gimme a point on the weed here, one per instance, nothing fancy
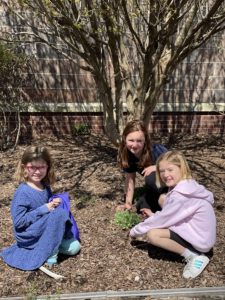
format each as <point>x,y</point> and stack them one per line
<point>126,219</point>
<point>80,129</point>
<point>31,292</point>
<point>84,200</point>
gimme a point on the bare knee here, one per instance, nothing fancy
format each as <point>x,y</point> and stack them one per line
<point>152,236</point>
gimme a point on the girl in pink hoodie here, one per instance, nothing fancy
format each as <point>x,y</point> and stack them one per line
<point>186,225</point>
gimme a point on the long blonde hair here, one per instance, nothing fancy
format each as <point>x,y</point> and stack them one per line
<point>34,153</point>
<point>176,158</point>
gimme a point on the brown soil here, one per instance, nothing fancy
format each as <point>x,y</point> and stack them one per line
<point>86,168</point>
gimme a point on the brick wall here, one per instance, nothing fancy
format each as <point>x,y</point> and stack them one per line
<point>193,123</point>
<point>61,124</point>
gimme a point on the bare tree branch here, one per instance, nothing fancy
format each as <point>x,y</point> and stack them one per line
<point>130,47</point>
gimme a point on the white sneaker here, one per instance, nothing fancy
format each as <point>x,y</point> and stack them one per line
<point>195,265</point>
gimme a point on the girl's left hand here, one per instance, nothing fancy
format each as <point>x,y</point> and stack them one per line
<point>147,171</point>
<point>123,207</point>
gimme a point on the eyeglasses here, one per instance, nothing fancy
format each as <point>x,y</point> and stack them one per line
<point>32,168</point>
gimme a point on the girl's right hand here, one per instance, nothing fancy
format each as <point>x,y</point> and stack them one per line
<point>54,203</point>
<point>123,207</point>
<point>146,212</point>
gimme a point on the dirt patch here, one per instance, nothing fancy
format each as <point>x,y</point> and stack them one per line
<point>87,169</point>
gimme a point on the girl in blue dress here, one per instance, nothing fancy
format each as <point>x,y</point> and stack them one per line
<point>42,226</point>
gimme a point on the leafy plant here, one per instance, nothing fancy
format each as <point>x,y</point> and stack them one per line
<point>84,200</point>
<point>80,129</point>
<point>126,219</point>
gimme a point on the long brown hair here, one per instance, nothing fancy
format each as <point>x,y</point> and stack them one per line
<point>33,153</point>
<point>146,157</point>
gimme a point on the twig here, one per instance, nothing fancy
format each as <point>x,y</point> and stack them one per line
<point>50,273</point>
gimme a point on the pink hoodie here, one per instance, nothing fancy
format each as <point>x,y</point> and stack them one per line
<point>188,211</point>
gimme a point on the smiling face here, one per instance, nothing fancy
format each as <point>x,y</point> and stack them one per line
<point>36,171</point>
<point>135,142</point>
<point>170,173</point>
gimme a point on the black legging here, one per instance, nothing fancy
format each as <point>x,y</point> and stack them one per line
<point>151,196</point>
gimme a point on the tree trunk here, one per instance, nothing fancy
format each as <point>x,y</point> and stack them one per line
<point>110,121</point>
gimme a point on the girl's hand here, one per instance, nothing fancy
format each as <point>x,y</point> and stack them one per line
<point>146,212</point>
<point>147,171</point>
<point>125,206</point>
<point>54,203</point>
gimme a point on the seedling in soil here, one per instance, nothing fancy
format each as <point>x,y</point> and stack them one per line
<point>126,219</point>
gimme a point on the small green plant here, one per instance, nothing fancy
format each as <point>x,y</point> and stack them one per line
<point>126,219</point>
<point>31,292</point>
<point>80,129</point>
<point>84,200</point>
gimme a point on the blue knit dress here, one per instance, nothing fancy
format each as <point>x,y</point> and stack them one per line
<point>38,231</point>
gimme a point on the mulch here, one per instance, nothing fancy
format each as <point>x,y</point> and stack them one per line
<point>86,168</point>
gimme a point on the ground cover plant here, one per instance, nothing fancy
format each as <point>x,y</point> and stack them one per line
<point>86,167</point>
<point>126,219</point>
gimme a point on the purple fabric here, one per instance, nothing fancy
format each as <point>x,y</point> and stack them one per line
<point>65,204</point>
